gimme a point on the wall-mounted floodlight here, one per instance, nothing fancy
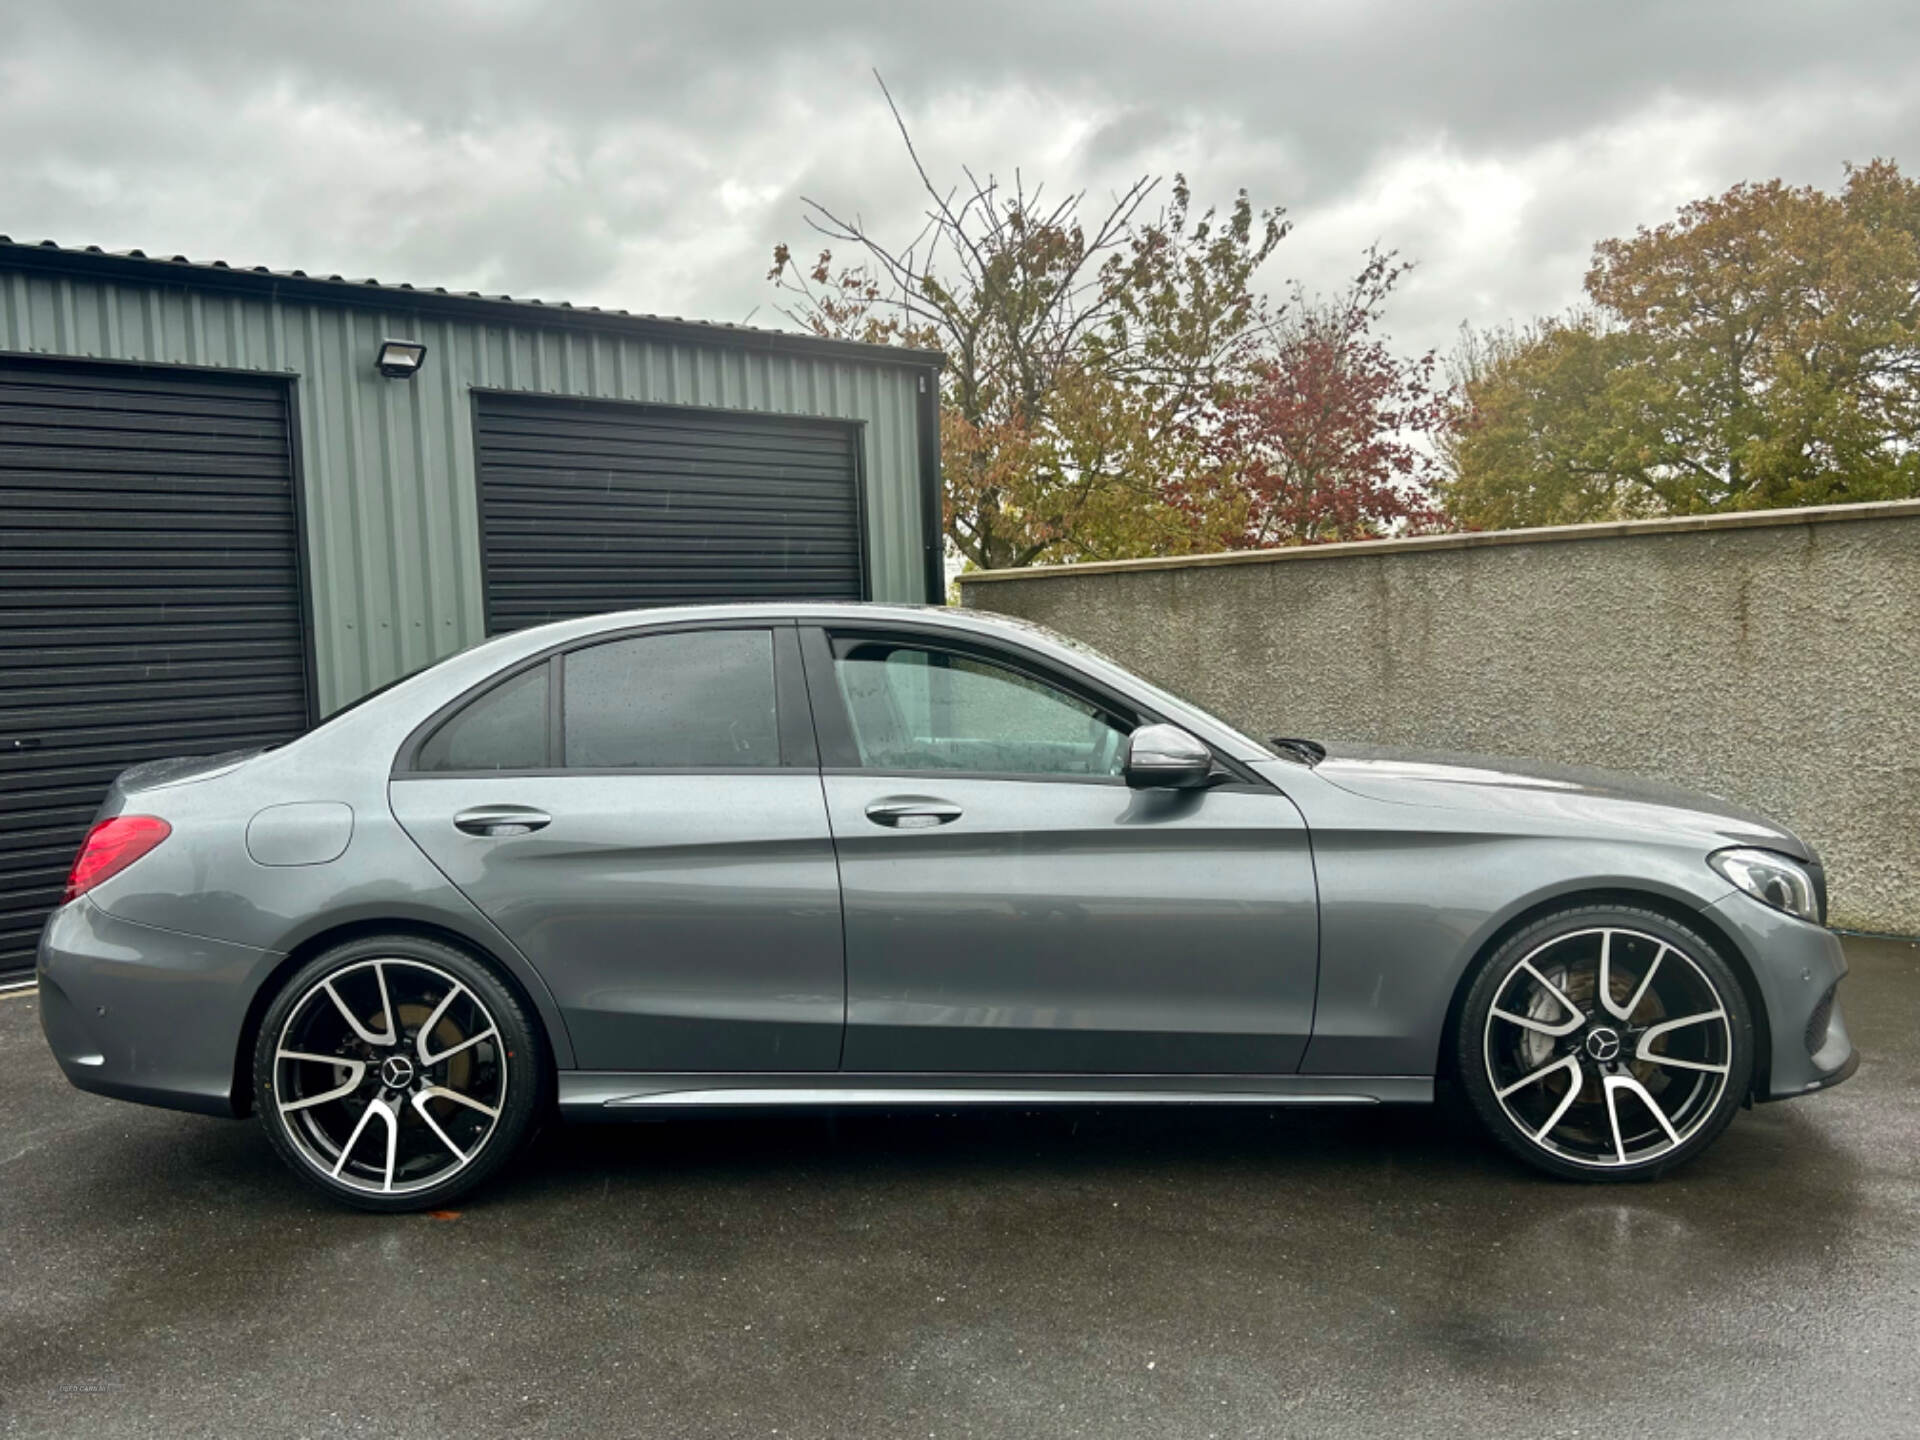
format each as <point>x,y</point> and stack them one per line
<point>401,359</point>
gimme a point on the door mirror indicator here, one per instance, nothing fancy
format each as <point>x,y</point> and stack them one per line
<point>1167,757</point>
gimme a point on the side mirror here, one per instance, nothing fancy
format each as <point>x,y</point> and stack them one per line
<point>1165,756</point>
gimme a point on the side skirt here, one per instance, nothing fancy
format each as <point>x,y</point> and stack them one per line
<point>615,1095</point>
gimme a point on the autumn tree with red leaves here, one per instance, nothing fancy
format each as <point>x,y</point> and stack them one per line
<point>1330,441</point>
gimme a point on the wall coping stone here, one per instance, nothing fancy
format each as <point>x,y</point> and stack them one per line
<point>1470,540</point>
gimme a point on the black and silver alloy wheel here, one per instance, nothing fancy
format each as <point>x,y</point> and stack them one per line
<point>391,1073</point>
<point>1606,1043</point>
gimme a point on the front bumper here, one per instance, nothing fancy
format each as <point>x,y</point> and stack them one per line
<point>1798,967</point>
<point>145,1014</point>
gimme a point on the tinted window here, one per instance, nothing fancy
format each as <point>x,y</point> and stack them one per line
<point>505,729</point>
<point>702,699</point>
<point>920,709</point>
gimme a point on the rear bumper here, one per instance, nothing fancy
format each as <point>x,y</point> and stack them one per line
<point>145,1014</point>
<point>1799,968</point>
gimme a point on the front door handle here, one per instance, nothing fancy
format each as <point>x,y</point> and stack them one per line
<point>912,812</point>
<point>500,820</point>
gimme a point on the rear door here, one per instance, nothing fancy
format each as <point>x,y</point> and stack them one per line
<point>642,816</point>
<point>1012,906</point>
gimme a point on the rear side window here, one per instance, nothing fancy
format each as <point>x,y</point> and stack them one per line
<point>505,729</point>
<point>703,699</point>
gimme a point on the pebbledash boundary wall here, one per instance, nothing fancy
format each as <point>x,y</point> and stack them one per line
<point>1771,657</point>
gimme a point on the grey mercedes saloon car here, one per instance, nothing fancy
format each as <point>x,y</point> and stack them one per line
<point>860,855</point>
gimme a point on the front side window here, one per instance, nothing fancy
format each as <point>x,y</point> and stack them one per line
<point>917,708</point>
<point>701,699</point>
<point>503,729</point>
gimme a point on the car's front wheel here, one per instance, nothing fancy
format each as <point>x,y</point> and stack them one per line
<point>395,1073</point>
<point>1605,1043</point>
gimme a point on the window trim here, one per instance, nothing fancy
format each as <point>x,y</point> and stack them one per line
<point>798,751</point>
<point>840,753</point>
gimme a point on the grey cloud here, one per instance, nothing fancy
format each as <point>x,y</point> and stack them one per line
<point>1126,135</point>
<point>600,152</point>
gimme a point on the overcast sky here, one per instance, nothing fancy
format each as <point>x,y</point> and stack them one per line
<point>649,157</point>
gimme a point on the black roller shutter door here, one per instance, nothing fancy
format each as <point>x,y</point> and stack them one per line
<point>588,506</point>
<point>149,597</point>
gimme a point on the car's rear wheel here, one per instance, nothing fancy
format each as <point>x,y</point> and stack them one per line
<point>1605,1043</point>
<point>395,1073</point>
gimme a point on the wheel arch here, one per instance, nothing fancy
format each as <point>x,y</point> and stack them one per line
<point>322,940</point>
<point>1661,903</point>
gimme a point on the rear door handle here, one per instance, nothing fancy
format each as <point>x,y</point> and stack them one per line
<point>499,820</point>
<point>912,812</point>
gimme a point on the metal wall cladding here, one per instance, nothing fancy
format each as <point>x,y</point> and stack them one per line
<point>393,533</point>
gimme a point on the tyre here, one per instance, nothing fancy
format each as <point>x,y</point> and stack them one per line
<point>396,1073</point>
<point>1605,1043</point>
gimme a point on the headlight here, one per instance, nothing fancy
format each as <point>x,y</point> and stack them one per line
<point>1771,879</point>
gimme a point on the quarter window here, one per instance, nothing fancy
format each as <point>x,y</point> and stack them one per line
<point>504,729</point>
<point>701,699</point>
<point>914,708</point>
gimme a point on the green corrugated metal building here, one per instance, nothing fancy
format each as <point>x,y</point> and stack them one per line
<point>219,520</point>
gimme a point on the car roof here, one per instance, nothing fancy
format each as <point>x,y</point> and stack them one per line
<point>413,698</point>
<point>869,611</point>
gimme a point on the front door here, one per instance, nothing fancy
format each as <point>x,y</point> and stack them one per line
<point>642,817</point>
<point>1011,905</point>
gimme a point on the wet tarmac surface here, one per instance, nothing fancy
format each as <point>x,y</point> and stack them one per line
<point>1068,1274</point>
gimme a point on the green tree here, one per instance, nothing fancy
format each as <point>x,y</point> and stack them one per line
<point>1761,350</point>
<point>1085,353</point>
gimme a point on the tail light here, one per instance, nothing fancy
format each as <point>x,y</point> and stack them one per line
<point>110,847</point>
